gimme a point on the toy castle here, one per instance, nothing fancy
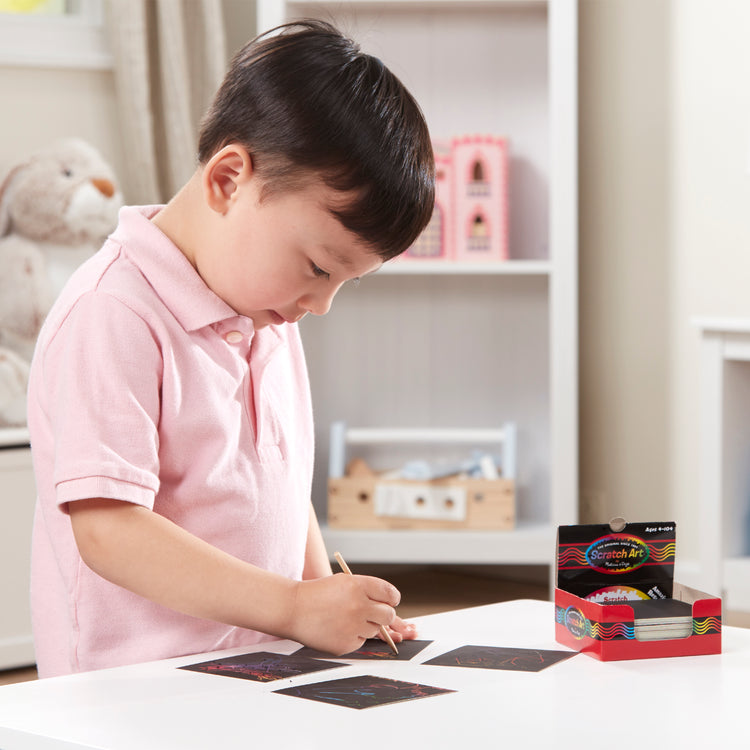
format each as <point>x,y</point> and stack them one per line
<point>470,220</point>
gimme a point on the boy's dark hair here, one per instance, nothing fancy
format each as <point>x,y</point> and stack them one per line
<point>304,99</point>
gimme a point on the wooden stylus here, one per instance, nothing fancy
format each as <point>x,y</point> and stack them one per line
<point>386,636</point>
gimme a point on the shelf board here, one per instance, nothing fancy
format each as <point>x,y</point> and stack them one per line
<point>527,544</point>
<point>446,267</point>
<point>427,4</point>
<point>13,436</point>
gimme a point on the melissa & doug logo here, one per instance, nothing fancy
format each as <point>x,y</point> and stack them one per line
<point>617,553</point>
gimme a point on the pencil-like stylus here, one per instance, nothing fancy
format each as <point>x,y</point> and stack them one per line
<point>386,635</point>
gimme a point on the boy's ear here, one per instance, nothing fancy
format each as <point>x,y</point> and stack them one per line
<point>225,171</point>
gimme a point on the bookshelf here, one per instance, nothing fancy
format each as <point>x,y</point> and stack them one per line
<point>434,344</point>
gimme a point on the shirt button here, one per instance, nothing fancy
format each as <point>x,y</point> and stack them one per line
<point>233,337</point>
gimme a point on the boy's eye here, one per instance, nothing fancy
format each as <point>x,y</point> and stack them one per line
<point>317,271</point>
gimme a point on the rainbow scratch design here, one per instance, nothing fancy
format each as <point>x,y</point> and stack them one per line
<point>706,625</point>
<point>616,631</point>
<point>572,556</point>
<point>662,552</point>
<point>626,631</point>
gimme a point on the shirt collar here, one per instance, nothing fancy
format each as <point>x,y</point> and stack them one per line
<point>169,272</point>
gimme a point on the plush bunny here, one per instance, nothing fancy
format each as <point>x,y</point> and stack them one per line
<point>56,208</point>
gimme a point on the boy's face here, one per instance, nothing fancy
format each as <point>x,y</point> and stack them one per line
<point>277,259</point>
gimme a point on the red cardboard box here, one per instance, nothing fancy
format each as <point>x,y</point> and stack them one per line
<point>631,570</point>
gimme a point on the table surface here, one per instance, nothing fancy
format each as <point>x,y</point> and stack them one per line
<point>686,702</point>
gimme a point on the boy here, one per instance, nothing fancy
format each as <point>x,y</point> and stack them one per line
<point>169,405</point>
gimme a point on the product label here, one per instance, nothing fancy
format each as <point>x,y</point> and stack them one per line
<point>617,553</point>
<point>635,562</point>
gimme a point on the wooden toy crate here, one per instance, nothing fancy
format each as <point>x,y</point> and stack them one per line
<point>489,503</point>
<point>366,500</point>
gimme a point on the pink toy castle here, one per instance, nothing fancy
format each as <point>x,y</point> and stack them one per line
<point>470,220</point>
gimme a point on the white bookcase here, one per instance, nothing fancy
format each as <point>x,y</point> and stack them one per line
<point>446,345</point>
<point>17,498</point>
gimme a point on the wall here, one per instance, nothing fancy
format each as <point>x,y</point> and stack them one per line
<point>665,232</point>
<point>624,134</point>
<point>41,105</point>
<point>710,252</point>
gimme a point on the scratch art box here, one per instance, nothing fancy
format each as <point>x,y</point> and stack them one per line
<point>616,597</point>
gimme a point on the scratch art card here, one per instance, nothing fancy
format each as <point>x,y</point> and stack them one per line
<point>492,657</point>
<point>372,648</point>
<point>363,691</point>
<point>262,666</point>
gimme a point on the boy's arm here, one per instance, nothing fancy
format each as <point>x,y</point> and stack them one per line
<point>317,563</point>
<point>146,553</point>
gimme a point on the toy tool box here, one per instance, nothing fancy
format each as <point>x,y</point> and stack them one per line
<point>473,494</point>
<point>615,596</point>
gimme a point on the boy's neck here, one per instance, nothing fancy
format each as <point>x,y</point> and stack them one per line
<point>183,218</point>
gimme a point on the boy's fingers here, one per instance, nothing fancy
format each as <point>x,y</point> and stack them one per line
<point>381,591</point>
<point>381,614</point>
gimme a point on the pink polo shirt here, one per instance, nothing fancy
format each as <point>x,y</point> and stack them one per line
<point>147,388</point>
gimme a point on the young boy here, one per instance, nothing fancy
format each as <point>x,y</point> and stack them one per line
<point>169,410</point>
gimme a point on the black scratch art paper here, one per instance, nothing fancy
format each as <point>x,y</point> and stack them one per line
<point>372,648</point>
<point>262,666</point>
<point>364,691</point>
<point>493,657</point>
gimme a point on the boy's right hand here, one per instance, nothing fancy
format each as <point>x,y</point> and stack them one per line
<point>338,613</point>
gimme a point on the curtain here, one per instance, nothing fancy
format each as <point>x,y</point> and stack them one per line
<point>170,57</point>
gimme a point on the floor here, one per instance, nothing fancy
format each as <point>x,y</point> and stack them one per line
<point>425,590</point>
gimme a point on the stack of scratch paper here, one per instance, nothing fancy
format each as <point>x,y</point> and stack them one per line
<point>656,619</point>
<point>616,597</point>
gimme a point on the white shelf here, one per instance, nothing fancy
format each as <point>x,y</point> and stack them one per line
<point>448,268</point>
<point>14,436</point>
<point>528,544</point>
<point>272,12</point>
<point>424,4</point>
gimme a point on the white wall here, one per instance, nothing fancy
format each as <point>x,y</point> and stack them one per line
<point>710,186</point>
<point>624,135</point>
<point>665,236</point>
<point>42,104</point>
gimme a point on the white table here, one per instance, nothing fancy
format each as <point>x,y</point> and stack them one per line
<point>685,702</point>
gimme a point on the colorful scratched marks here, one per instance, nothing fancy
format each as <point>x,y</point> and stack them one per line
<point>373,648</point>
<point>494,657</point>
<point>363,691</point>
<point>262,666</point>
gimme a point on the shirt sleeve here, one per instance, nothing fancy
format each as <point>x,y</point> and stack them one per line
<point>102,373</point>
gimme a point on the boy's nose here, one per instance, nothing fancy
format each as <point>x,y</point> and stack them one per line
<point>319,303</point>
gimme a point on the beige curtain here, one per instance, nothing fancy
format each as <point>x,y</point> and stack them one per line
<point>170,56</point>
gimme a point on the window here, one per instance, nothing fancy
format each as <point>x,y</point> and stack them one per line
<point>54,34</point>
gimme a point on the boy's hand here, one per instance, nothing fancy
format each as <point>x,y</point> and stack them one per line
<point>338,613</point>
<point>402,631</point>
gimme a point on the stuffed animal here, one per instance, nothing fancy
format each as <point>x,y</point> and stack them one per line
<point>56,208</point>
